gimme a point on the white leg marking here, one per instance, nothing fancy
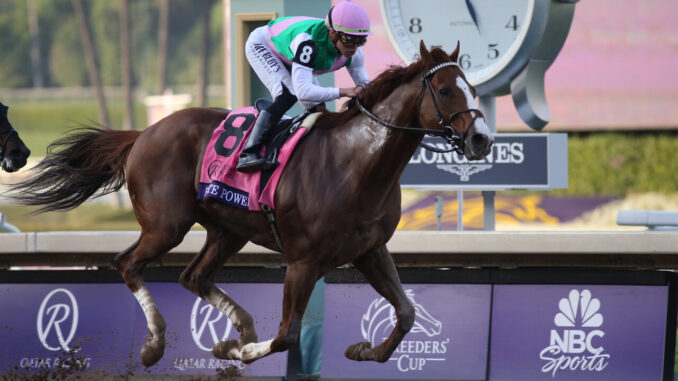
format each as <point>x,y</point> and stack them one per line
<point>223,303</point>
<point>254,351</point>
<point>148,306</point>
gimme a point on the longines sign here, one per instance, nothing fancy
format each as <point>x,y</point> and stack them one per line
<point>535,161</point>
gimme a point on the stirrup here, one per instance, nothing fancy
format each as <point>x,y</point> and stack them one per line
<point>251,162</point>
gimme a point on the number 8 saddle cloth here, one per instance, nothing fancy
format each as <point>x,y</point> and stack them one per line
<point>220,180</point>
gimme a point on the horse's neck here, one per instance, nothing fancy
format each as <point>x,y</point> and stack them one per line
<point>389,150</point>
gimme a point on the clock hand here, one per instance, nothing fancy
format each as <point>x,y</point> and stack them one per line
<point>472,12</point>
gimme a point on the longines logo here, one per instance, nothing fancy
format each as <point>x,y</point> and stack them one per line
<point>412,355</point>
<point>57,321</point>
<point>451,162</point>
<point>576,344</point>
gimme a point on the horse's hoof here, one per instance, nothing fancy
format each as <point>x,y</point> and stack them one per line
<point>360,352</point>
<point>227,350</point>
<point>152,352</point>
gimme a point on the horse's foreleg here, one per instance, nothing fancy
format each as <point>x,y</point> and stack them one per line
<point>131,263</point>
<point>380,271</point>
<point>299,282</point>
<point>199,279</point>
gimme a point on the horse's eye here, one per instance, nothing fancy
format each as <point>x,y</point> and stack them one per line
<point>445,92</point>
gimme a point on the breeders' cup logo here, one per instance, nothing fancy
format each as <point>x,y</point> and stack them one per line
<point>57,320</point>
<point>502,153</point>
<point>577,342</point>
<point>208,325</point>
<point>411,355</point>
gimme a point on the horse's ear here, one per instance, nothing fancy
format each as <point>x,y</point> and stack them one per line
<point>455,54</point>
<point>425,54</point>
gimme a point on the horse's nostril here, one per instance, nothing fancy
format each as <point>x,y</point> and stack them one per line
<point>479,141</point>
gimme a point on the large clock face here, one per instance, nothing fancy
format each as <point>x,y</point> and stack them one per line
<point>490,31</point>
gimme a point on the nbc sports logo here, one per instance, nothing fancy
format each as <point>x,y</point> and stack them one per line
<point>576,342</point>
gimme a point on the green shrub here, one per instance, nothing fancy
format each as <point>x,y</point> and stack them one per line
<point>619,163</point>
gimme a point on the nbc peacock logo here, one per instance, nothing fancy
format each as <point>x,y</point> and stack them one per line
<point>576,344</point>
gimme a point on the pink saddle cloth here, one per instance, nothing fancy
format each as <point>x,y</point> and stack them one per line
<point>219,178</point>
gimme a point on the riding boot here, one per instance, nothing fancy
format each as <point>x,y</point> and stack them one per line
<point>250,159</point>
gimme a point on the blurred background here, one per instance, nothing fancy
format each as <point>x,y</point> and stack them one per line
<point>125,63</point>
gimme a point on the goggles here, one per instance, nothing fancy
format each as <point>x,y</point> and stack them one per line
<point>351,40</point>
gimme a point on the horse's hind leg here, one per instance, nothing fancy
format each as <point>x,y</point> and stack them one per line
<point>198,278</point>
<point>131,263</point>
<point>380,271</point>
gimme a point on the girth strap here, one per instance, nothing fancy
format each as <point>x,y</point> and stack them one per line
<point>269,214</point>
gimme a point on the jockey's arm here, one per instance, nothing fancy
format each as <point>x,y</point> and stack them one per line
<point>306,88</point>
<point>357,69</point>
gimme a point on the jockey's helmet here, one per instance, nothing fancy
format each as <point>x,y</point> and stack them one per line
<point>350,18</point>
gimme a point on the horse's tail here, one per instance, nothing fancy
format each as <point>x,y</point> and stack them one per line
<point>88,160</point>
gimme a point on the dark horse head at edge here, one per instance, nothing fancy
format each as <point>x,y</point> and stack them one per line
<point>13,151</point>
<point>337,202</point>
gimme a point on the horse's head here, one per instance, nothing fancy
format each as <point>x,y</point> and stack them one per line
<point>447,101</point>
<point>13,151</point>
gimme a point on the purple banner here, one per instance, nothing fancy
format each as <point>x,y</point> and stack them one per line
<point>40,324</point>
<point>448,341</point>
<point>573,332</point>
<point>103,327</point>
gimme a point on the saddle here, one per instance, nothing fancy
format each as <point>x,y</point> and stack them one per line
<point>219,178</point>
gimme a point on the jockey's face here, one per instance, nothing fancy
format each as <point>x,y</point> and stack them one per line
<point>347,45</point>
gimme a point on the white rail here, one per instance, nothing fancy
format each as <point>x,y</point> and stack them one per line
<point>631,249</point>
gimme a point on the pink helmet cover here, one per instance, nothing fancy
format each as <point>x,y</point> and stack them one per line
<point>350,18</point>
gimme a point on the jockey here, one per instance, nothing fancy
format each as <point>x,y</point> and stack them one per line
<point>289,52</point>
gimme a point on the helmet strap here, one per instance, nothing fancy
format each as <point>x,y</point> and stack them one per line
<point>329,18</point>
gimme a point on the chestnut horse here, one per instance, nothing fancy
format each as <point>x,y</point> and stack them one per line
<point>337,202</point>
<point>13,151</point>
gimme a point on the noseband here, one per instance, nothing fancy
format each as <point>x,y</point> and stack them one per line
<point>457,141</point>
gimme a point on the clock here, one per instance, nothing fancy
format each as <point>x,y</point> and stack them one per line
<point>506,45</point>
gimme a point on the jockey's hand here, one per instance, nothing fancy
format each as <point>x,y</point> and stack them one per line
<point>351,92</point>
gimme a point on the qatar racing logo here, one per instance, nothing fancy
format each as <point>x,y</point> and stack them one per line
<point>411,355</point>
<point>57,320</point>
<point>208,325</point>
<point>576,344</point>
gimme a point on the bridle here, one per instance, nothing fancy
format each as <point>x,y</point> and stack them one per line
<point>458,142</point>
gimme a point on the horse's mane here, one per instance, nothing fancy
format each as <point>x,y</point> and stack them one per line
<point>379,88</point>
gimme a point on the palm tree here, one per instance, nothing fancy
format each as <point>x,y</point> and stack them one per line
<point>126,66</point>
<point>203,67</point>
<point>36,59</point>
<point>90,58</point>
<point>163,28</point>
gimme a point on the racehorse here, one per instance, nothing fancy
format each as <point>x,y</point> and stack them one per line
<point>13,151</point>
<point>337,202</point>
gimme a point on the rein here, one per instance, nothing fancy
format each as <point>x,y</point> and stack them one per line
<point>455,140</point>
